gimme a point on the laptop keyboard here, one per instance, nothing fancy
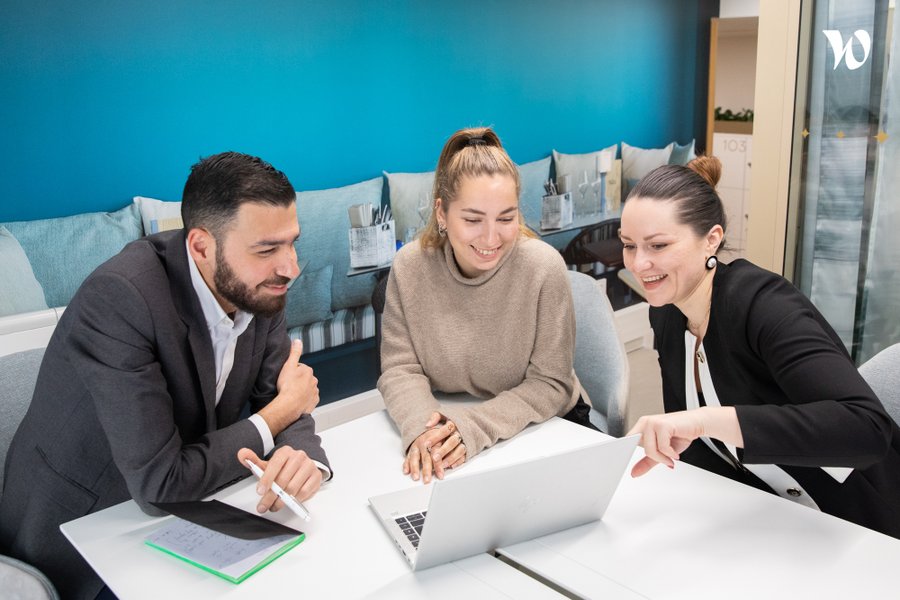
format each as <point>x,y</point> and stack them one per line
<point>412,526</point>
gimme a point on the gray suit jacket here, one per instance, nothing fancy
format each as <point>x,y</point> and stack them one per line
<point>124,407</point>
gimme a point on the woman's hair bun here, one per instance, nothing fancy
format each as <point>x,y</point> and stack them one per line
<point>707,167</point>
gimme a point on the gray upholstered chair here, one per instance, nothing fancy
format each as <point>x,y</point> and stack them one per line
<point>18,374</point>
<point>600,360</point>
<point>882,373</point>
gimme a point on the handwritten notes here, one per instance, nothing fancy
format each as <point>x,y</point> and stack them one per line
<point>231,558</point>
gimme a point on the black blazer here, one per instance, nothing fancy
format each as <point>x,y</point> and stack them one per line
<point>799,399</point>
<point>124,407</point>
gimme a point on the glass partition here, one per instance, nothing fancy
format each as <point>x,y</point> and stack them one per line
<point>848,252</point>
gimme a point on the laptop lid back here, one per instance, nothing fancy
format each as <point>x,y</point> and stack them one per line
<point>518,502</point>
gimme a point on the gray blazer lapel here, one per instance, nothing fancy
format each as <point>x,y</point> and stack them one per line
<point>188,307</point>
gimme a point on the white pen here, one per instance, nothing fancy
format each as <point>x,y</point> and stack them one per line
<point>289,501</point>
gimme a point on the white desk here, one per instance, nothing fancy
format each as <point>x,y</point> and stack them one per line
<point>671,534</point>
<point>347,554</point>
<point>690,534</point>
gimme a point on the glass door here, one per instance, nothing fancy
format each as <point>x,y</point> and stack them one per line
<point>848,250</point>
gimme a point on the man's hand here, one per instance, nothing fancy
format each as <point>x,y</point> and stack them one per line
<point>298,393</point>
<point>439,448</point>
<point>293,470</point>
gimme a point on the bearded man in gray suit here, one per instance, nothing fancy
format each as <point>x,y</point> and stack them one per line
<point>144,383</point>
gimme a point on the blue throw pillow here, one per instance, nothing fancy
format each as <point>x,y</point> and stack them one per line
<point>309,297</point>
<point>532,176</point>
<point>64,251</point>
<point>20,292</point>
<point>682,155</point>
<point>324,240</point>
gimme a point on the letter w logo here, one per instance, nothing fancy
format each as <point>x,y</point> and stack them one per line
<point>845,51</point>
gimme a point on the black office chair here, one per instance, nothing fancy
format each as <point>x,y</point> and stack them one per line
<point>379,296</point>
<point>598,243</point>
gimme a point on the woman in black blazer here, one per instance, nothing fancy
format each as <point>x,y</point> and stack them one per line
<point>757,386</point>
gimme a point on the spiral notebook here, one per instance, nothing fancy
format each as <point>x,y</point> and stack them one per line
<point>223,540</point>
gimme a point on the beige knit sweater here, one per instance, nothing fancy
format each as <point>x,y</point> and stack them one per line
<point>507,336</point>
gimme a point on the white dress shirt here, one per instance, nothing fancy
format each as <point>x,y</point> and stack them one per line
<point>224,332</point>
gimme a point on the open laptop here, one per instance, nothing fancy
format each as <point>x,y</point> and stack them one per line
<point>466,514</point>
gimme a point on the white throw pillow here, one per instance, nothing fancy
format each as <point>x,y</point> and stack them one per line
<point>159,215</point>
<point>576,165</point>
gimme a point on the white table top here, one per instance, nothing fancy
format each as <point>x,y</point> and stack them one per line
<point>347,554</point>
<point>686,533</point>
<point>681,533</point>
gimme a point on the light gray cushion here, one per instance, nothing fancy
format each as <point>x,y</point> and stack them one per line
<point>20,292</point>
<point>532,176</point>
<point>21,581</point>
<point>18,374</point>
<point>309,297</point>
<point>410,192</point>
<point>577,165</point>
<point>324,241</point>
<point>882,373</point>
<point>637,162</point>
<point>682,155</point>
<point>65,250</point>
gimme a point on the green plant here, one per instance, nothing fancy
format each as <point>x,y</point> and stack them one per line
<point>728,115</point>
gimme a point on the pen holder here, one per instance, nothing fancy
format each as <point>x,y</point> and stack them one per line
<point>556,211</point>
<point>372,246</point>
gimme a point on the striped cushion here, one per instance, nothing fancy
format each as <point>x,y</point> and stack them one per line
<point>347,325</point>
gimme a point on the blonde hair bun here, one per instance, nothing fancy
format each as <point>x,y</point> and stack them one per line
<point>707,167</point>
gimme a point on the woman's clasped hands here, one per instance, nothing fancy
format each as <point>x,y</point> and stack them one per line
<point>439,448</point>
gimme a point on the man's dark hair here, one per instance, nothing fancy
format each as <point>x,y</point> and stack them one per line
<point>219,184</point>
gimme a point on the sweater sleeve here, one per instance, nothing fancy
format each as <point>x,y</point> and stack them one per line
<point>548,387</point>
<point>403,384</point>
<point>831,417</point>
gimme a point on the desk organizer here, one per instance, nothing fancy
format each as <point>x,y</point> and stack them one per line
<point>373,245</point>
<point>556,211</point>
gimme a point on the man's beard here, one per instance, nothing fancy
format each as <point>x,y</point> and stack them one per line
<point>239,294</point>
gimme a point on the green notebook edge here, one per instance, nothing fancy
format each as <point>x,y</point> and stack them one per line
<point>287,546</point>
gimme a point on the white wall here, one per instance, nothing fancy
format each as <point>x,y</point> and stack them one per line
<point>736,71</point>
<point>738,8</point>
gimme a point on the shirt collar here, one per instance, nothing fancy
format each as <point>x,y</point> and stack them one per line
<point>213,313</point>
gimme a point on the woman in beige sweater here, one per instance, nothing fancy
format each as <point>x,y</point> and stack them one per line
<point>476,305</point>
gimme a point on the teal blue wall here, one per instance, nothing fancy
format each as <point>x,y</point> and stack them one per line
<point>101,100</point>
